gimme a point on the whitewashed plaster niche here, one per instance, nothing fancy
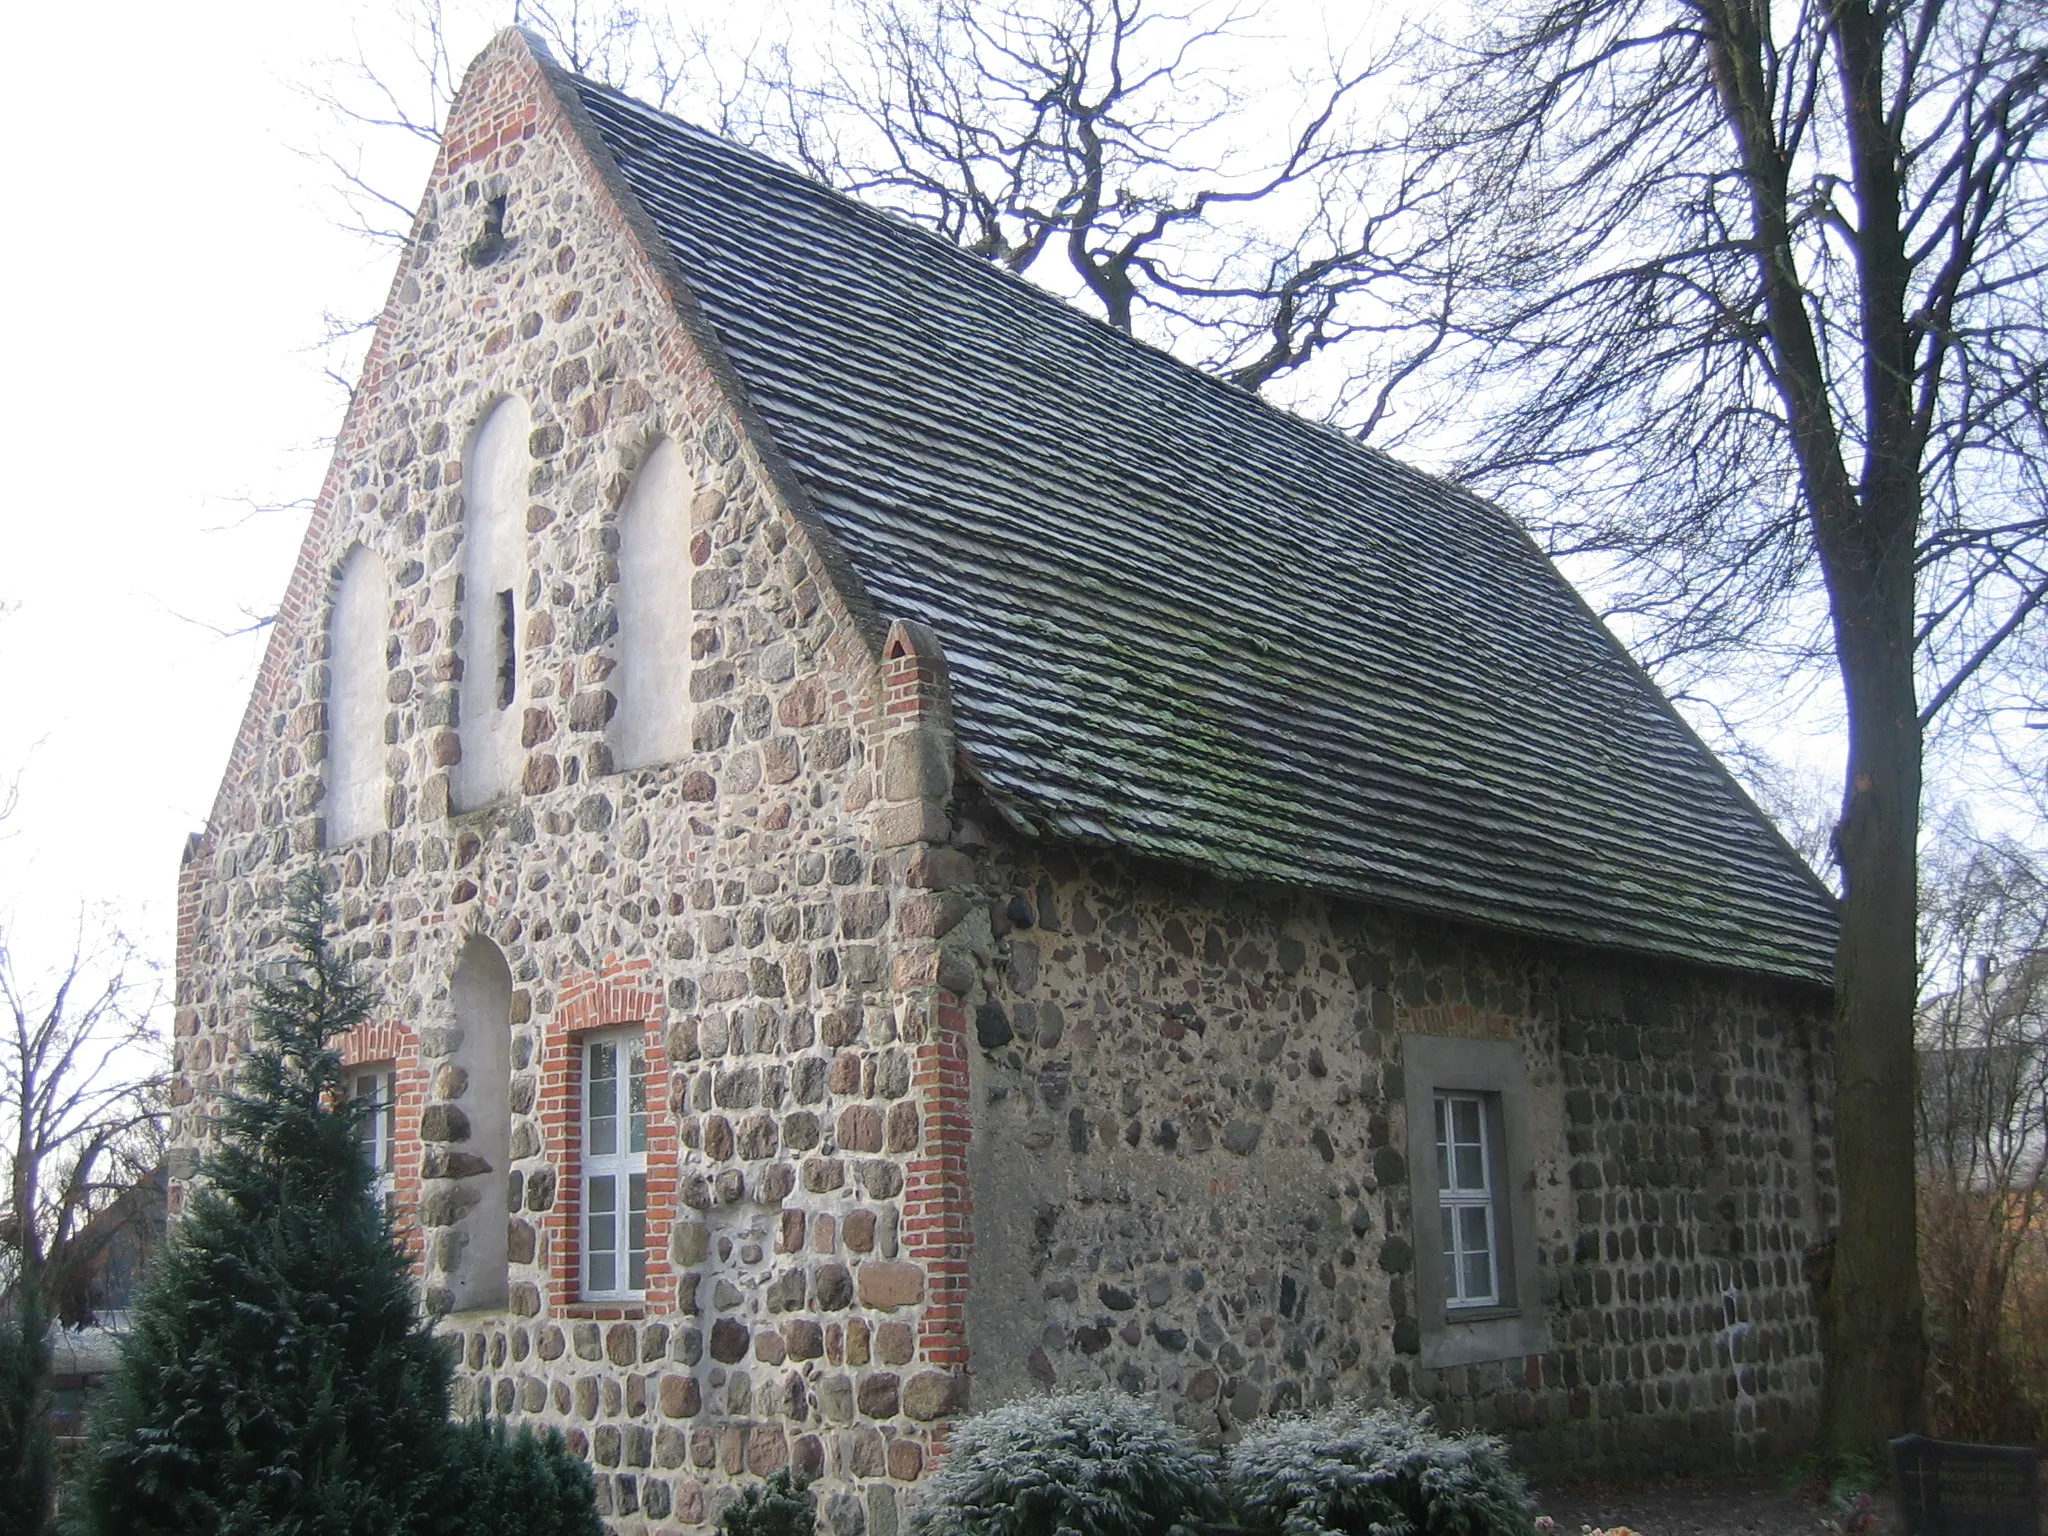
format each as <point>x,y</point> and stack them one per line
<point>495,473</point>
<point>654,614</point>
<point>468,1133</point>
<point>357,637</point>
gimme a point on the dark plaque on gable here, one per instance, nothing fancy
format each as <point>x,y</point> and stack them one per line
<point>1948,1489</point>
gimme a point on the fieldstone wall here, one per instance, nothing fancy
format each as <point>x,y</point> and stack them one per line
<point>757,909</point>
<point>1190,1172</point>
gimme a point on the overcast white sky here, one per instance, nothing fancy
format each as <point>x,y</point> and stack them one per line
<point>169,261</point>
<point>171,253</point>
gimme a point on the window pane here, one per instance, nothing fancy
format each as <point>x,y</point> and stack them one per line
<point>1475,1241</point>
<point>1478,1277</point>
<point>1471,1263</point>
<point>1465,1119</point>
<point>602,1233</point>
<point>603,1091</point>
<point>636,1232</point>
<point>366,1088</point>
<point>379,1091</point>
<point>636,1136</point>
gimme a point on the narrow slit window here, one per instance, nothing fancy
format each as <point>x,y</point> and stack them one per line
<point>491,240</point>
<point>377,1132</point>
<point>614,1166</point>
<point>1464,1158</point>
<point>508,652</point>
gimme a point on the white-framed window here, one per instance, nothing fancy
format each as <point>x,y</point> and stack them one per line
<point>614,1164</point>
<point>377,1132</point>
<point>1465,1192</point>
<point>1473,1166</point>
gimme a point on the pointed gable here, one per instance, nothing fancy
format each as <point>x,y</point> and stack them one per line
<point>1186,624</point>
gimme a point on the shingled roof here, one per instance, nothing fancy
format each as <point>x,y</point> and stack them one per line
<point>1189,625</point>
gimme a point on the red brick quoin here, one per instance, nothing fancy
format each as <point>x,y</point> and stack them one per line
<point>938,1206</point>
<point>618,994</point>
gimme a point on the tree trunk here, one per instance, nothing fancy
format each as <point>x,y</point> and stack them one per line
<point>1877,1360</point>
<point>1872,1308</point>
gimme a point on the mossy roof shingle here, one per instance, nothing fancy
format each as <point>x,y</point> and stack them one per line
<point>1198,628</point>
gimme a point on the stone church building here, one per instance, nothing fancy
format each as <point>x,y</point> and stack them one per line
<point>917,851</point>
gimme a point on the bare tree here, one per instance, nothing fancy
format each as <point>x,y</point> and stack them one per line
<point>1983,1125</point>
<point>1764,287</point>
<point>403,98</point>
<point>1105,148</point>
<point>82,1095</point>
<point>1111,149</point>
<point>1802,801</point>
<point>385,95</point>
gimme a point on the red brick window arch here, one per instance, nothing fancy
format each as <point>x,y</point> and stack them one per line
<point>389,1054</point>
<point>603,1021</point>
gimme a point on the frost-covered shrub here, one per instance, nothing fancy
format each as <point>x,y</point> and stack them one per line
<point>1085,1464</point>
<point>1353,1471</point>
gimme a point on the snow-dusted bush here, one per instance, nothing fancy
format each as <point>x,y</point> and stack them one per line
<point>1354,1471</point>
<point>1085,1464</point>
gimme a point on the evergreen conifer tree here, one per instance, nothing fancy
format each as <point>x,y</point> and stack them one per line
<point>279,1377</point>
<point>499,1484</point>
<point>26,1462</point>
<point>780,1505</point>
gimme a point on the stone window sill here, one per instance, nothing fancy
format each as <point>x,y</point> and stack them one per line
<point>1453,1316</point>
<point>604,1311</point>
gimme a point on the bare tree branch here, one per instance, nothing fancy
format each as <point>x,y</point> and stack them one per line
<point>1102,147</point>
<point>82,1109</point>
<point>1982,1120</point>
<point>1105,146</point>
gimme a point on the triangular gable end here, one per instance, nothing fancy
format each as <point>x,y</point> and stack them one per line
<point>514,102</point>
